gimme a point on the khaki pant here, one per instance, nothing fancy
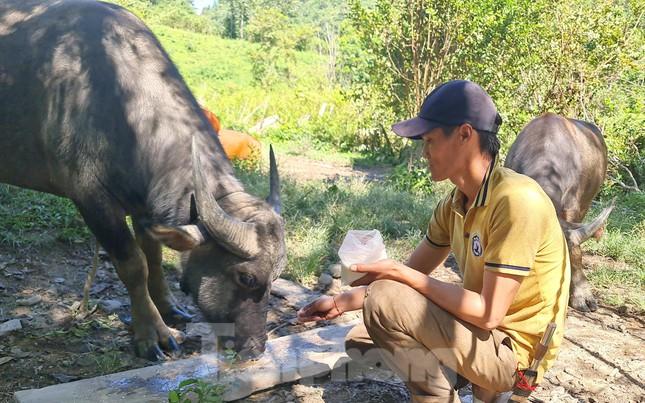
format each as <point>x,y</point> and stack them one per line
<point>427,347</point>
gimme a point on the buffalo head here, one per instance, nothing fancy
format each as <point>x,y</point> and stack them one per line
<point>231,255</point>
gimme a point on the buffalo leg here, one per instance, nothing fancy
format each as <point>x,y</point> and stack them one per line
<point>581,297</point>
<point>111,230</point>
<point>157,285</point>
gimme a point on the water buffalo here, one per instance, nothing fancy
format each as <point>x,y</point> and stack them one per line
<point>568,158</point>
<point>93,109</point>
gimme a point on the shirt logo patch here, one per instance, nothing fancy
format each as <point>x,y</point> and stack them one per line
<point>477,246</point>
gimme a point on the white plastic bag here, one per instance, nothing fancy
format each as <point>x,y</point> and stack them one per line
<point>360,246</point>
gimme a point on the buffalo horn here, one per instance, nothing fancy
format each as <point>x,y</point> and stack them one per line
<point>239,237</point>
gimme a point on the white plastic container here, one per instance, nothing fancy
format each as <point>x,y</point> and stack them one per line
<point>360,246</point>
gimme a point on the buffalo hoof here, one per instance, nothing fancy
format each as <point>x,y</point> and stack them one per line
<point>151,351</point>
<point>176,316</point>
<point>583,302</point>
<point>173,347</point>
<point>125,318</point>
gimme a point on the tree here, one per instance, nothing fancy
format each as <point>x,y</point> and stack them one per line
<point>582,59</point>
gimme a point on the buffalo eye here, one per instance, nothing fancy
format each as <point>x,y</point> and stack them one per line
<point>248,280</point>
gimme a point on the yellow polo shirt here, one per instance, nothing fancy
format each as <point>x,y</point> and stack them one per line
<point>512,228</point>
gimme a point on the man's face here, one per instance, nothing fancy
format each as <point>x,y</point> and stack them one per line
<point>441,152</point>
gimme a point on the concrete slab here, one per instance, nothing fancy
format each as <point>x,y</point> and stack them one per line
<point>287,359</point>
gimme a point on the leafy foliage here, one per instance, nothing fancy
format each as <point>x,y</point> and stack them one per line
<point>581,59</point>
<point>194,390</point>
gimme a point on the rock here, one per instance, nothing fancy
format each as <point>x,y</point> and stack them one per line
<point>335,288</point>
<point>62,378</point>
<point>18,353</point>
<point>4,360</point>
<point>265,124</point>
<point>110,305</point>
<point>335,270</point>
<point>99,288</point>
<point>9,326</point>
<point>2,286</point>
<point>31,301</point>
<point>295,294</point>
<point>276,399</point>
<point>618,326</point>
<point>325,280</point>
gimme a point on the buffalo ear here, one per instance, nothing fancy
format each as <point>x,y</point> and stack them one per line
<point>183,238</point>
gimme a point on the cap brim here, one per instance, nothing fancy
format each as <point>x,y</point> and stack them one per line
<point>414,128</point>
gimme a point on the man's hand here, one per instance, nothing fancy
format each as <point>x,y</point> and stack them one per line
<point>322,308</point>
<point>327,308</point>
<point>386,269</point>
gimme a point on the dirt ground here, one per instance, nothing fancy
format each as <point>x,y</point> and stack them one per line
<point>601,360</point>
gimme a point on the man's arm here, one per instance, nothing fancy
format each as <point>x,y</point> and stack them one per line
<point>485,310</point>
<point>427,257</point>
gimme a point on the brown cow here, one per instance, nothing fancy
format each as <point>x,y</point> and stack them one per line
<point>568,158</point>
<point>237,145</point>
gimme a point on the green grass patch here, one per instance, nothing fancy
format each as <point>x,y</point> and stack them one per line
<point>624,242</point>
<point>29,218</point>
<point>110,362</point>
<point>81,329</point>
<point>624,238</point>
<point>620,285</point>
<point>318,214</point>
<point>195,390</point>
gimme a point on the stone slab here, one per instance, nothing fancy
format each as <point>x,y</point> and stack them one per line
<point>10,326</point>
<point>287,359</point>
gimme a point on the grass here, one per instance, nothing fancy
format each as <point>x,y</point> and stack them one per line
<point>219,72</point>
<point>109,362</point>
<point>622,283</point>
<point>29,218</point>
<point>319,213</point>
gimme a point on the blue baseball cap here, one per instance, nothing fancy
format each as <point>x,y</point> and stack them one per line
<point>451,104</point>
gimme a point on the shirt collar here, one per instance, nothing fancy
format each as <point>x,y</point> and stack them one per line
<point>483,196</point>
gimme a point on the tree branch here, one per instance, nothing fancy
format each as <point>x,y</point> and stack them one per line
<point>616,162</point>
